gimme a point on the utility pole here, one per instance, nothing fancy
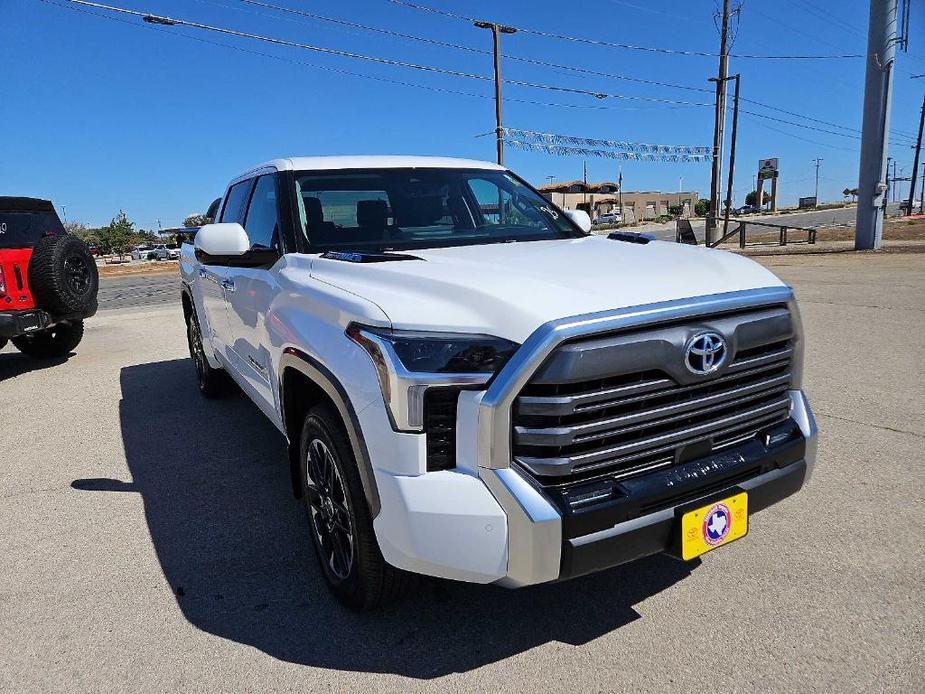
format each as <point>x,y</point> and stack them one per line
<point>818,163</point>
<point>732,153</point>
<point>878,93</point>
<point>915,164</point>
<point>718,125</point>
<point>496,31</point>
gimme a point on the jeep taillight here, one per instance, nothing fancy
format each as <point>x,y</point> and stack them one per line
<point>2,282</point>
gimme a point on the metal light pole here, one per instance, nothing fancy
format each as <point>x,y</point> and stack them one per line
<point>496,31</point>
<point>818,162</point>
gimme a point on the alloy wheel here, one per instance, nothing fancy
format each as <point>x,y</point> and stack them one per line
<point>330,515</point>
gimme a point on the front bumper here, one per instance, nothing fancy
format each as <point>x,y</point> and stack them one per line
<point>16,323</point>
<point>550,538</point>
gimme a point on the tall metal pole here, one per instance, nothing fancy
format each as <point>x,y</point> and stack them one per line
<point>915,164</point>
<point>922,194</point>
<point>817,161</point>
<point>718,125</point>
<point>878,92</point>
<point>732,153</point>
<point>496,31</point>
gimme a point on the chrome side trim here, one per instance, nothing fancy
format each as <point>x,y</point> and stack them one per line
<point>534,529</point>
<point>494,446</point>
<point>803,416</point>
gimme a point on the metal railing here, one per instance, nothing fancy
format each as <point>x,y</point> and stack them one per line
<point>685,234</point>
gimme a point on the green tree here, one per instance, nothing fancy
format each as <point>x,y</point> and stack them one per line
<point>701,207</point>
<point>118,236</point>
<point>676,210</point>
<point>196,220</point>
<point>752,198</point>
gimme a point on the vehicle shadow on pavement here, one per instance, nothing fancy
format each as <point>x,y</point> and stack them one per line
<point>13,364</point>
<point>235,550</point>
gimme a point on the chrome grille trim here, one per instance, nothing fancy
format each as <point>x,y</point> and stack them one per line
<point>495,404</point>
<point>627,419</point>
<point>619,455</point>
<point>590,431</point>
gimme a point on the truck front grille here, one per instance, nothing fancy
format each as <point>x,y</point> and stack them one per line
<point>623,424</point>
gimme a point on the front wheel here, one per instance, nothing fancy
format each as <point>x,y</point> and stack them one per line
<point>339,517</point>
<point>52,343</point>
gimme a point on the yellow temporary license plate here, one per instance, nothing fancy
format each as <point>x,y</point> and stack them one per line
<point>713,525</point>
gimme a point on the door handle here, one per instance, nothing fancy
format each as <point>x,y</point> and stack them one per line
<point>228,285</point>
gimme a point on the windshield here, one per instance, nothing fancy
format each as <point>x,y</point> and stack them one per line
<point>400,209</point>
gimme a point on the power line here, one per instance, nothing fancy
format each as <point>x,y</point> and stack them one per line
<point>531,61</point>
<point>611,44</point>
<point>339,71</point>
<point>169,21</point>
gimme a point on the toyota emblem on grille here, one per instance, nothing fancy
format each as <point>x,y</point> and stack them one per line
<point>705,353</point>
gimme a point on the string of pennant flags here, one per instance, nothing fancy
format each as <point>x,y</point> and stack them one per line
<point>569,151</point>
<point>567,145</point>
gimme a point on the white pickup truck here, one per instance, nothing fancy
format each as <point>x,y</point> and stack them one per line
<point>473,387</point>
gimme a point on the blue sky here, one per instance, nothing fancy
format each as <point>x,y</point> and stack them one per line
<point>102,115</point>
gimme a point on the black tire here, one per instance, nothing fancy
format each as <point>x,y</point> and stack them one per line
<point>63,276</point>
<point>52,343</point>
<point>213,383</point>
<point>338,514</point>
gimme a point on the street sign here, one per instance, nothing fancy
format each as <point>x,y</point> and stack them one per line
<point>767,168</point>
<point>807,202</point>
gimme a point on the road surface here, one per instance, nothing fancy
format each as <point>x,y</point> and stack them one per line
<point>151,543</point>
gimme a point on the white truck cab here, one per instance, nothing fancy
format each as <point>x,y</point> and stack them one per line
<point>473,387</point>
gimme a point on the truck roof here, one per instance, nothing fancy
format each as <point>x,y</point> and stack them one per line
<point>372,161</point>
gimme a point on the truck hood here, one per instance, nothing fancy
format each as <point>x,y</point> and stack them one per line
<point>510,289</point>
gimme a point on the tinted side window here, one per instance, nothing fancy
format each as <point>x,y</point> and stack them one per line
<point>261,215</point>
<point>236,201</point>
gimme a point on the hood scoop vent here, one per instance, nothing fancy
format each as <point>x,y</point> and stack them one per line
<point>367,257</point>
<point>631,237</point>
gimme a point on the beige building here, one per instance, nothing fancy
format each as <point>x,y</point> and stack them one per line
<point>598,198</point>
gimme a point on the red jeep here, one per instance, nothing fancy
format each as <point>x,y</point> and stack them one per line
<point>48,280</point>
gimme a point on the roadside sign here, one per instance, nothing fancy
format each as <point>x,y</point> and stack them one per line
<point>767,168</point>
<point>808,202</point>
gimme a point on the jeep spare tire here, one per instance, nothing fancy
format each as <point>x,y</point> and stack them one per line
<point>63,276</point>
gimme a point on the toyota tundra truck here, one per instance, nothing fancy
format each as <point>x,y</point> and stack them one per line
<point>474,387</point>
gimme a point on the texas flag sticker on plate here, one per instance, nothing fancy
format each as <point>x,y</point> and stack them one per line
<point>713,525</point>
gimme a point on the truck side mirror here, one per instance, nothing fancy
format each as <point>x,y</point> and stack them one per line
<point>581,218</point>
<point>225,239</point>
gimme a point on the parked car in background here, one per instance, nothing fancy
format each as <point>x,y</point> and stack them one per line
<point>140,252</point>
<point>158,252</point>
<point>608,218</point>
<point>746,209</point>
<point>94,251</point>
<point>48,280</point>
<point>476,388</point>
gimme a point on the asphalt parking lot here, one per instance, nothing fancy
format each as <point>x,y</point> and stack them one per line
<point>150,541</point>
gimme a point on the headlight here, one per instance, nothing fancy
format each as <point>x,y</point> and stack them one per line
<point>408,362</point>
